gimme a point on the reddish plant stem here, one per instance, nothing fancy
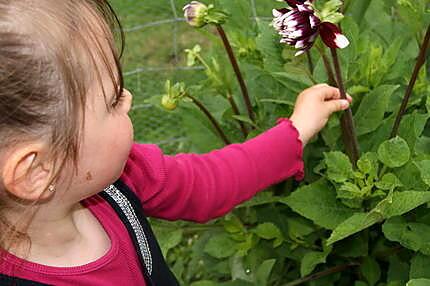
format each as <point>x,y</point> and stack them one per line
<point>211,118</point>
<point>237,71</point>
<point>420,62</point>
<point>310,62</point>
<point>237,112</point>
<point>321,274</point>
<point>347,122</point>
<point>328,68</point>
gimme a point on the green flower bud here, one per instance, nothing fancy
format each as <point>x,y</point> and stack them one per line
<point>195,13</point>
<point>168,103</point>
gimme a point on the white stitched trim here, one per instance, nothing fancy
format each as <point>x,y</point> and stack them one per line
<point>128,210</point>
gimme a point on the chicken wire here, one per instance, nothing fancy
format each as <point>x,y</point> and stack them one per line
<point>145,74</point>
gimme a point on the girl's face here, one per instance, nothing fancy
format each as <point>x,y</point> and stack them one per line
<point>107,139</point>
<point>107,135</point>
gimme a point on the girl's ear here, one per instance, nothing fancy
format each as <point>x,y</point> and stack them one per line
<point>26,175</point>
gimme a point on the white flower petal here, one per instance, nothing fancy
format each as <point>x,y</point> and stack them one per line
<point>299,53</point>
<point>341,41</point>
<point>300,44</point>
<point>296,34</point>
<point>276,13</point>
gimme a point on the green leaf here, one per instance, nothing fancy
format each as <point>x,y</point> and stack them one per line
<point>311,259</point>
<point>328,13</point>
<point>204,283</point>
<point>370,270</point>
<point>423,145</point>
<point>232,224</point>
<point>410,176</point>
<point>261,198</point>
<point>318,203</point>
<point>368,164</point>
<point>353,224</point>
<point>238,271</point>
<point>394,153</point>
<point>263,272</point>
<point>415,236</point>
<point>358,9</point>
<point>412,127</point>
<point>168,239</point>
<point>241,11</point>
<point>398,270</point>
<point>419,282</point>
<point>395,205</point>
<point>424,167</point>
<point>420,266</point>
<point>278,101</point>
<point>400,203</point>
<point>299,227</point>
<point>354,246</point>
<point>245,119</point>
<point>370,114</point>
<point>339,167</point>
<point>388,182</point>
<point>351,195</point>
<point>268,44</point>
<point>269,231</point>
<point>294,74</point>
<point>243,247</point>
<point>349,191</point>
<point>220,246</point>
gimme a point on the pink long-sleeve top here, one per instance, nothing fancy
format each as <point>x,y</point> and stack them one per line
<point>186,186</point>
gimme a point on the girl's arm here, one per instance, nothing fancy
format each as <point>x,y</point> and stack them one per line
<point>202,187</point>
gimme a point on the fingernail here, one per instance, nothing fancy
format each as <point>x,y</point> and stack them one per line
<point>344,104</point>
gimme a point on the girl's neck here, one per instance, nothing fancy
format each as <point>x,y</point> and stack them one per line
<point>65,237</point>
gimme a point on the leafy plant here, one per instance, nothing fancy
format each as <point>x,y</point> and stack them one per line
<point>358,222</point>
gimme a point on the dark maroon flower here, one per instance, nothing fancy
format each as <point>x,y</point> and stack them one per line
<point>299,26</point>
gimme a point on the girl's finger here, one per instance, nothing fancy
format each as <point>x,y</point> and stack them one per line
<point>337,105</point>
<point>329,92</point>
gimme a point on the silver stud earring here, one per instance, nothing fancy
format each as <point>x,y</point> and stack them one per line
<point>51,188</point>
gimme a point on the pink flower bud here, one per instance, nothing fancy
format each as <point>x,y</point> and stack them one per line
<point>195,13</point>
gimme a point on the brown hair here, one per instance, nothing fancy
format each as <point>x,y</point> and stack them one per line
<point>50,52</point>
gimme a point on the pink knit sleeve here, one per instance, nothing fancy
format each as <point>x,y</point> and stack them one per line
<point>202,187</point>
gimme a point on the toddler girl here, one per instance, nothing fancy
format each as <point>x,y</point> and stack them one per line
<point>74,188</point>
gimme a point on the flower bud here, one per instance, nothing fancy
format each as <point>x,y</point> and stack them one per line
<point>195,13</point>
<point>168,103</point>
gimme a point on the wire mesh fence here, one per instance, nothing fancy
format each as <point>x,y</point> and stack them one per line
<point>156,36</point>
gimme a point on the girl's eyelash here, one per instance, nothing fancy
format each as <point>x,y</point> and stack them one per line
<point>118,99</point>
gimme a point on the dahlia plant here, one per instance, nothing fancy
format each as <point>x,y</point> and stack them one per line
<point>358,219</point>
<point>299,25</point>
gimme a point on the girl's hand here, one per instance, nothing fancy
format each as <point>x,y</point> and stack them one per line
<point>313,109</point>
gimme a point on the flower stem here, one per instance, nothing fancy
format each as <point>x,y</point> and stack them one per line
<point>328,68</point>
<point>310,62</point>
<point>211,118</point>
<point>347,122</point>
<point>321,274</point>
<point>420,62</point>
<point>237,112</point>
<point>237,71</point>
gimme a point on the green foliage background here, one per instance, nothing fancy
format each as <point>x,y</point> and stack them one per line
<point>360,226</point>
